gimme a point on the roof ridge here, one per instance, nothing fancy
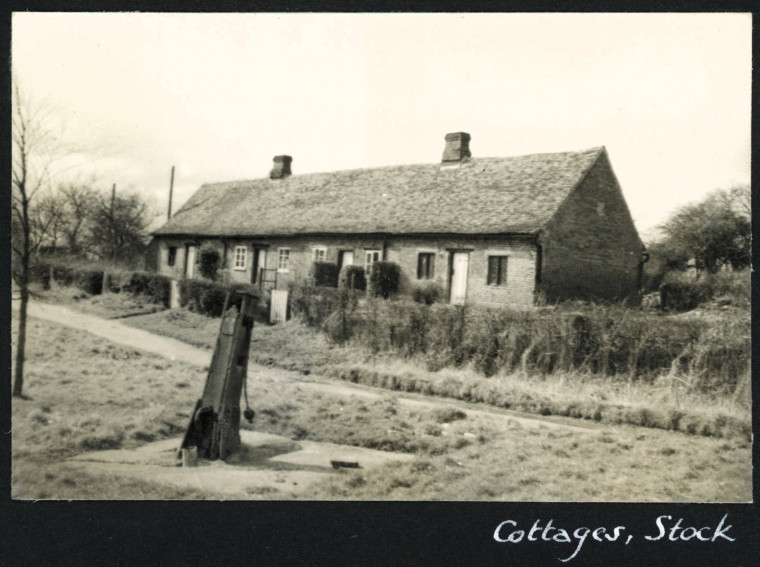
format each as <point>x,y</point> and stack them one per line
<point>597,149</point>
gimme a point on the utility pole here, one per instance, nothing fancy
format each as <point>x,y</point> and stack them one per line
<point>171,188</point>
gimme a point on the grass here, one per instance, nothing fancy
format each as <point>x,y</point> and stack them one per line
<point>107,306</point>
<point>665,405</point>
<point>516,463</point>
<point>668,401</point>
<point>87,394</point>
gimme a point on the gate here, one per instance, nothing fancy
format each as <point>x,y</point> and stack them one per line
<point>279,310</point>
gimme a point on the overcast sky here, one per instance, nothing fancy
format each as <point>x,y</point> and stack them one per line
<point>218,95</point>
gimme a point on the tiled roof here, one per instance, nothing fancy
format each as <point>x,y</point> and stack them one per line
<point>482,196</point>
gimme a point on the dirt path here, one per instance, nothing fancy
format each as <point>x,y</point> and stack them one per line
<point>119,333</point>
<point>177,350</point>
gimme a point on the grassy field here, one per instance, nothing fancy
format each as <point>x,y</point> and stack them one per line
<point>666,403</point>
<point>86,394</point>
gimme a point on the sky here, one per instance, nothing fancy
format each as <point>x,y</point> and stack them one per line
<point>219,95</point>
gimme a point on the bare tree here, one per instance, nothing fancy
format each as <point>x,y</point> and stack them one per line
<point>78,202</point>
<point>47,216</point>
<point>119,227</point>
<point>34,148</point>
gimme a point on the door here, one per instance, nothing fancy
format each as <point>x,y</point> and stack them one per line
<point>459,264</point>
<point>255,266</point>
<point>190,257</point>
<point>345,258</point>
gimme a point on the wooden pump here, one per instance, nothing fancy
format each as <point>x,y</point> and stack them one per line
<point>214,426</point>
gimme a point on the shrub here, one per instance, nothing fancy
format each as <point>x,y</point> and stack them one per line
<point>89,281</point>
<point>138,283</point>
<point>210,260</point>
<point>384,278</point>
<point>63,275</point>
<point>206,298</point>
<point>212,301</point>
<point>324,274</point>
<point>116,281</point>
<point>731,286</point>
<point>158,289</point>
<point>40,272</point>
<point>682,296</point>
<point>352,277</point>
<point>427,293</point>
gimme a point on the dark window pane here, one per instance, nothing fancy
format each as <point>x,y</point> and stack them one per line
<point>425,263</point>
<point>497,270</point>
<point>502,270</point>
<point>492,264</point>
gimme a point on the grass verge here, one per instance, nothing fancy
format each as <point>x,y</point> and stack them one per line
<point>667,402</point>
<point>87,394</point>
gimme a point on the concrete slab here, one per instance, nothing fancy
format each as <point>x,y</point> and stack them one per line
<point>267,466</point>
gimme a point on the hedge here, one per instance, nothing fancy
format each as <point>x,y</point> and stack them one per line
<point>352,277</point>
<point>324,274</point>
<point>427,293</point>
<point>682,296</point>
<point>93,281</point>
<point>384,279</point>
<point>210,261</point>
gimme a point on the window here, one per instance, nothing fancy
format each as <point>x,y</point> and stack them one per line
<point>425,266</point>
<point>370,257</point>
<point>241,253</point>
<point>497,270</point>
<point>172,256</point>
<point>283,259</point>
<point>319,254</point>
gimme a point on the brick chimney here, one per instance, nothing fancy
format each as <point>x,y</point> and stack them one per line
<point>457,148</point>
<point>281,167</point>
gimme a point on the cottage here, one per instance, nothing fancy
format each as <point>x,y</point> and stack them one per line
<point>498,231</point>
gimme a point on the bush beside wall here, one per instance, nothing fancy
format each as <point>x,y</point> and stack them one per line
<point>352,277</point>
<point>384,279</point>
<point>209,262</point>
<point>202,297</point>
<point>427,293</point>
<point>324,274</point>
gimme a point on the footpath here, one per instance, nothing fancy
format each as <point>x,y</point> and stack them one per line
<point>118,332</point>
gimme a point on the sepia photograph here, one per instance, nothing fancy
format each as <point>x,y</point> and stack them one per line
<point>382,257</point>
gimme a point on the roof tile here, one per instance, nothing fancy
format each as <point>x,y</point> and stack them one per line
<point>484,195</point>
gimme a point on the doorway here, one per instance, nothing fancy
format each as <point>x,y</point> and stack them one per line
<point>345,258</point>
<point>459,265</point>
<point>191,252</point>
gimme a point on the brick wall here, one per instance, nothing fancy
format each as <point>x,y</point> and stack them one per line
<point>403,250</point>
<point>163,245</point>
<point>591,248</point>
<point>521,266</point>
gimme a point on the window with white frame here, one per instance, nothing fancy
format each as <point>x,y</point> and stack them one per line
<point>370,257</point>
<point>241,257</point>
<point>172,259</point>
<point>283,259</point>
<point>319,254</point>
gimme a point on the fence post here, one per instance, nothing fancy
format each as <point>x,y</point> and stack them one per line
<point>173,294</point>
